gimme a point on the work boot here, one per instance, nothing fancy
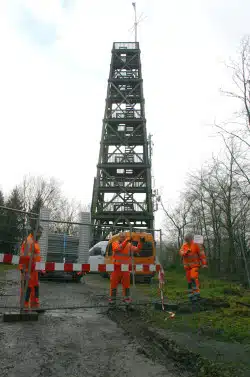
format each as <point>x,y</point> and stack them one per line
<point>195,290</point>
<point>26,307</point>
<point>112,299</point>
<point>191,297</point>
<point>35,306</point>
<point>35,303</point>
<point>127,299</point>
<point>197,296</point>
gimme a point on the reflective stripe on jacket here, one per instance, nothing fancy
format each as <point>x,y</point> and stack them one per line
<point>192,255</point>
<point>122,252</point>
<point>26,252</point>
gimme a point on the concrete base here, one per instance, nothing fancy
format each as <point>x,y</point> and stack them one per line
<point>40,311</point>
<point>20,317</point>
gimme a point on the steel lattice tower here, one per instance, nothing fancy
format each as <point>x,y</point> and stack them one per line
<point>122,192</point>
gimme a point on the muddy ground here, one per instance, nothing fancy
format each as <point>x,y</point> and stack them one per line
<point>83,342</point>
<point>201,355</point>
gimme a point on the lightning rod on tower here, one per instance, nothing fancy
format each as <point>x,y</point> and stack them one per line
<point>136,23</point>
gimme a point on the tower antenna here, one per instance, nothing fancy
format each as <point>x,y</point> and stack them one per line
<point>136,22</point>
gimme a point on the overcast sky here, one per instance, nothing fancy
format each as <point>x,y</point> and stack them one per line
<point>54,65</point>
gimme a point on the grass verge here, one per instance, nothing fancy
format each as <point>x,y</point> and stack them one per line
<point>201,353</point>
<point>228,324</point>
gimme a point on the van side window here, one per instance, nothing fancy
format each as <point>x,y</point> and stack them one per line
<point>96,250</point>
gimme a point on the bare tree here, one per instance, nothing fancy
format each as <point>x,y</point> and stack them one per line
<point>216,199</point>
<point>178,218</point>
<point>66,211</point>
<point>241,79</point>
<point>239,128</point>
<point>216,204</point>
<point>37,192</point>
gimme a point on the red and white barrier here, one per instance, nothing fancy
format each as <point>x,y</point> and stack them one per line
<point>77,267</point>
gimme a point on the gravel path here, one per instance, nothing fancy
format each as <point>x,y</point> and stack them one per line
<point>70,342</point>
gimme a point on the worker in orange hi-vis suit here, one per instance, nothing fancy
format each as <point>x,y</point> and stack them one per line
<point>193,257</point>
<point>122,254</point>
<point>30,246</point>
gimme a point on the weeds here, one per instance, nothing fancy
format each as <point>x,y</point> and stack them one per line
<point>228,324</point>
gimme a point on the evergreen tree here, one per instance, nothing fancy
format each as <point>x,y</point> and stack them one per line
<point>37,205</point>
<point>16,221</point>
<point>2,224</point>
<point>1,199</point>
<point>14,201</point>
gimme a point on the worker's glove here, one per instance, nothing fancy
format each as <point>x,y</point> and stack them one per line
<point>204,266</point>
<point>187,252</point>
<point>142,239</point>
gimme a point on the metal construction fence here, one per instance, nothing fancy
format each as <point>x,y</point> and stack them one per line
<point>66,252</point>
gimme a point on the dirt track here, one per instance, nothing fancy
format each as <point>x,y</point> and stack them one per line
<point>75,342</point>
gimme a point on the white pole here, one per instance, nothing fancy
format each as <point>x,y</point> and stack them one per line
<point>133,260</point>
<point>136,23</point>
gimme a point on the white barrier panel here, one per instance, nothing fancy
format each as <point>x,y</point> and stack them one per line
<point>70,267</point>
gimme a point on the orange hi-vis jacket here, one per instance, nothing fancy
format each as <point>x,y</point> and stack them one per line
<point>193,255</point>
<point>26,253</point>
<point>122,252</point>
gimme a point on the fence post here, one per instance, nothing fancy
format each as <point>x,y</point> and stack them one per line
<point>85,236</point>
<point>133,260</point>
<point>160,246</point>
<point>25,281</point>
<point>44,240</point>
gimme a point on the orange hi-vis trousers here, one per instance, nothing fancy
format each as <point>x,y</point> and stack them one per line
<point>119,277</point>
<point>31,299</point>
<point>192,276</point>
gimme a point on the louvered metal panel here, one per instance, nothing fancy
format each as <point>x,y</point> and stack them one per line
<point>84,237</point>
<point>44,215</point>
<point>62,248</point>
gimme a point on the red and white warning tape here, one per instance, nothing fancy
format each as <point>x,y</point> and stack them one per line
<point>77,267</point>
<point>161,277</point>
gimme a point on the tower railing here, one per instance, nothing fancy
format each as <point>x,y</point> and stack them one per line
<point>122,158</point>
<point>126,45</point>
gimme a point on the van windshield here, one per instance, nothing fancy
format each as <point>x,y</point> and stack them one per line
<point>146,251</point>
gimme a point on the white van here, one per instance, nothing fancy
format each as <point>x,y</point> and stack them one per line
<point>96,255</point>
